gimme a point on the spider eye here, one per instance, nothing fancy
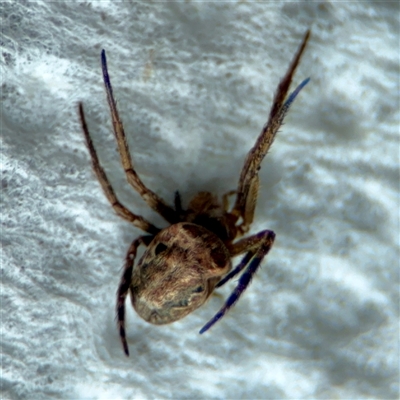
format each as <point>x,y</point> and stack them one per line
<point>160,248</point>
<point>199,289</point>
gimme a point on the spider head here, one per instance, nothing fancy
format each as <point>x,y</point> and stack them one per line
<point>178,272</point>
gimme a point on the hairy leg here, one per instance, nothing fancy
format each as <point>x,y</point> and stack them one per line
<point>152,199</point>
<point>248,181</point>
<point>257,247</point>
<point>249,245</point>
<point>124,285</point>
<point>120,209</point>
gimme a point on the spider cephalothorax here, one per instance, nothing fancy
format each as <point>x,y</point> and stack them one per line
<point>186,261</point>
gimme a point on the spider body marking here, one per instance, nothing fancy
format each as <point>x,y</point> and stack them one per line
<point>191,247</point>
<point>184,263</point>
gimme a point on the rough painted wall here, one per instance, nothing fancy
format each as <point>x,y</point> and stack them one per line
<point>194,82</point>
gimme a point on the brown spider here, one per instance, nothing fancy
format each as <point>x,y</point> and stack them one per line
<point>186,261</point>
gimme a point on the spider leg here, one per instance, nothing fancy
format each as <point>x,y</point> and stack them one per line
<point>154,201</point>
<point>236,270</point>
<point>225,199</point>
<point>178,203</point>
<point>124,285</point>
<point>248,182</point>
<point>259,244</point>
<point>249,244</point>
<point>120,209</point>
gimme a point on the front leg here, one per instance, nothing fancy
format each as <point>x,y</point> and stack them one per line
<point>151,198</point>
<point>257,247</point>
<point>249,206</point>
<point>248,181</point>
<point>124,285</point>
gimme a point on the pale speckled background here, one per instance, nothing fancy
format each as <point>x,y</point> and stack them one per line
<point>194,82</point>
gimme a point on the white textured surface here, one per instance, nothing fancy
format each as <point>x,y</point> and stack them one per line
<point>194,83</point>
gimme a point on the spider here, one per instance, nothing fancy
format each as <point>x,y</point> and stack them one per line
<point>185,262</point>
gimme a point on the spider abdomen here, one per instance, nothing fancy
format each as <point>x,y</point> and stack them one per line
<point>178,272</point>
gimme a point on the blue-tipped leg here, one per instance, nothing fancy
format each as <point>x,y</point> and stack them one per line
<point>294,94</point>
